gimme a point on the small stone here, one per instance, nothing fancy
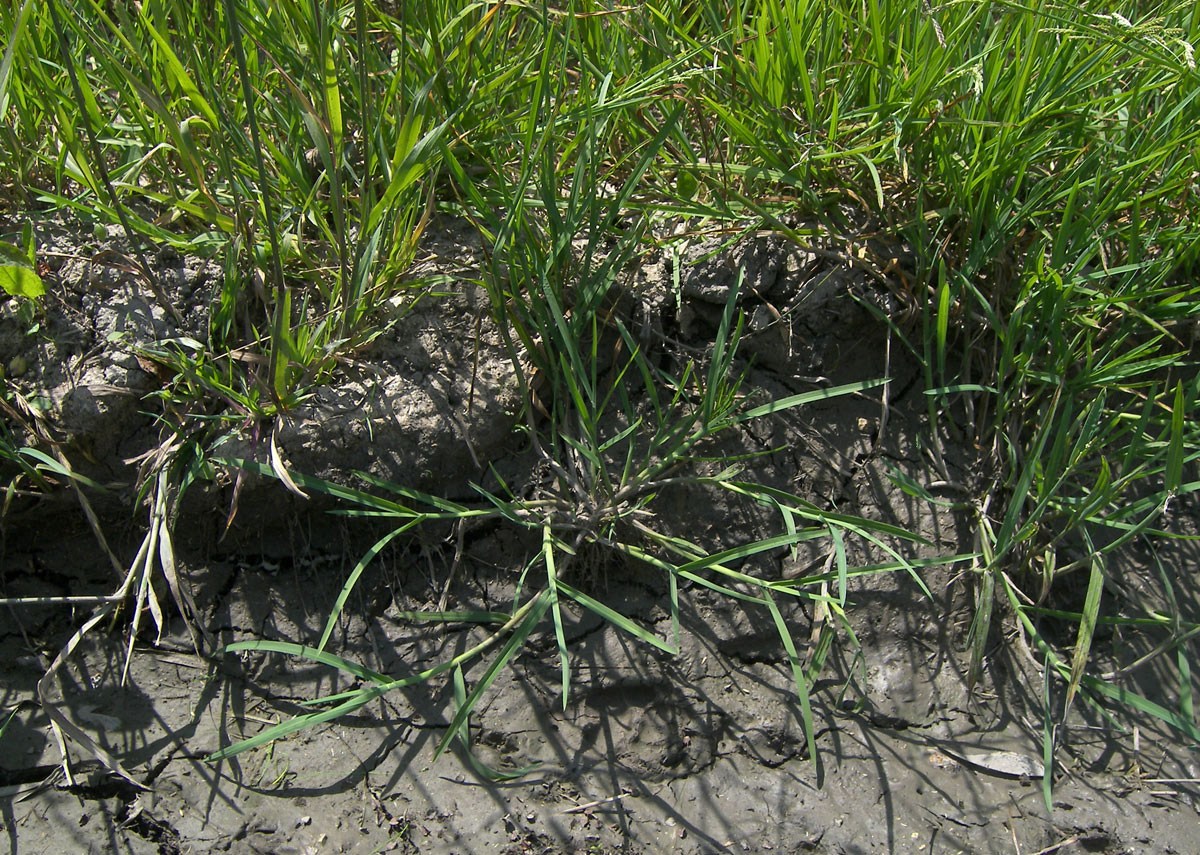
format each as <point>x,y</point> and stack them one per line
<point>303,821</point>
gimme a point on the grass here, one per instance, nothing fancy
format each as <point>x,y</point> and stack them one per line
<point>1021,177</point>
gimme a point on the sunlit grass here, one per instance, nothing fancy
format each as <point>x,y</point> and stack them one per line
<point>1023,178</point>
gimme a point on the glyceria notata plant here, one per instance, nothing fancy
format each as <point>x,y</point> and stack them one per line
<point>1026,171</point>
<point>611,430</point>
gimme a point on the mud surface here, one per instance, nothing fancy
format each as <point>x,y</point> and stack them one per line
<point>697,752</point>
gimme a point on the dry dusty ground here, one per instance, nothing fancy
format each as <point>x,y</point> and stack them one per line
<point>699,752</point>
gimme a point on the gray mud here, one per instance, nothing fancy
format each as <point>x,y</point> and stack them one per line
<point>695,753</point>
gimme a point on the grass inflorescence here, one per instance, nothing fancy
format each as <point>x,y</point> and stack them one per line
<point>1021,178</point>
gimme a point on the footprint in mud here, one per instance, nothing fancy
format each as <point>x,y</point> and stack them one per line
<point>664,744</point>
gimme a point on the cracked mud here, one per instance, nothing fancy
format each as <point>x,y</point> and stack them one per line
<point>702,752</point>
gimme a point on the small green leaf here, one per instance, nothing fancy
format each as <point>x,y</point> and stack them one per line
<point>28,243</point>
<point>10,254</point>
<point>1087,625</point>
<point>333,102</point>
<point>686,185</point>
<point>943,316</point>
<point>1174,474</point>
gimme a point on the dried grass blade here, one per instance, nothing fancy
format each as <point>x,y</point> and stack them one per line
<point>279,469</point>
<point>57,717</point>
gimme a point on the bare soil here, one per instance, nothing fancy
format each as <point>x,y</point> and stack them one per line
<point>695,753</point>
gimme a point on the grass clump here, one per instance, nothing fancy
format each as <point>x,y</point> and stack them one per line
<point>274,136</point>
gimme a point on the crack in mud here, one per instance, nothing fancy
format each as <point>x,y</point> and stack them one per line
<point>139,821</point>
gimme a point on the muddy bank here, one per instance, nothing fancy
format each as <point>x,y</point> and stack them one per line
<point>700,752</point>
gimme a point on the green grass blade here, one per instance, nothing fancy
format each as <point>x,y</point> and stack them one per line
<point>437,502</point>
<point>336,491</point>
<point>7,722</point>
<point>802,686</point>
<point>333,101</point>
<point>539,606</point>
<point>981,625</point>
<point>1049,730</point>
<point>614,617</point>
<point>943,317</point>
<point>484,770</point>
<point>313,654</point>
<point>808,398</point>
<point>335,613</point>
<point>1175,444</point>
<point>717,560</point>
<point>1087,627</point>
<point>454,617</point>
<point>556,612</point>
<point>1183,663</point>
<point>874,569</point>
<point>180,76</point>
<point>46,463</point>
<point>10,49</point>
<point>1132,699</point>
<point>839,554</point>
<point>297,724</point>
